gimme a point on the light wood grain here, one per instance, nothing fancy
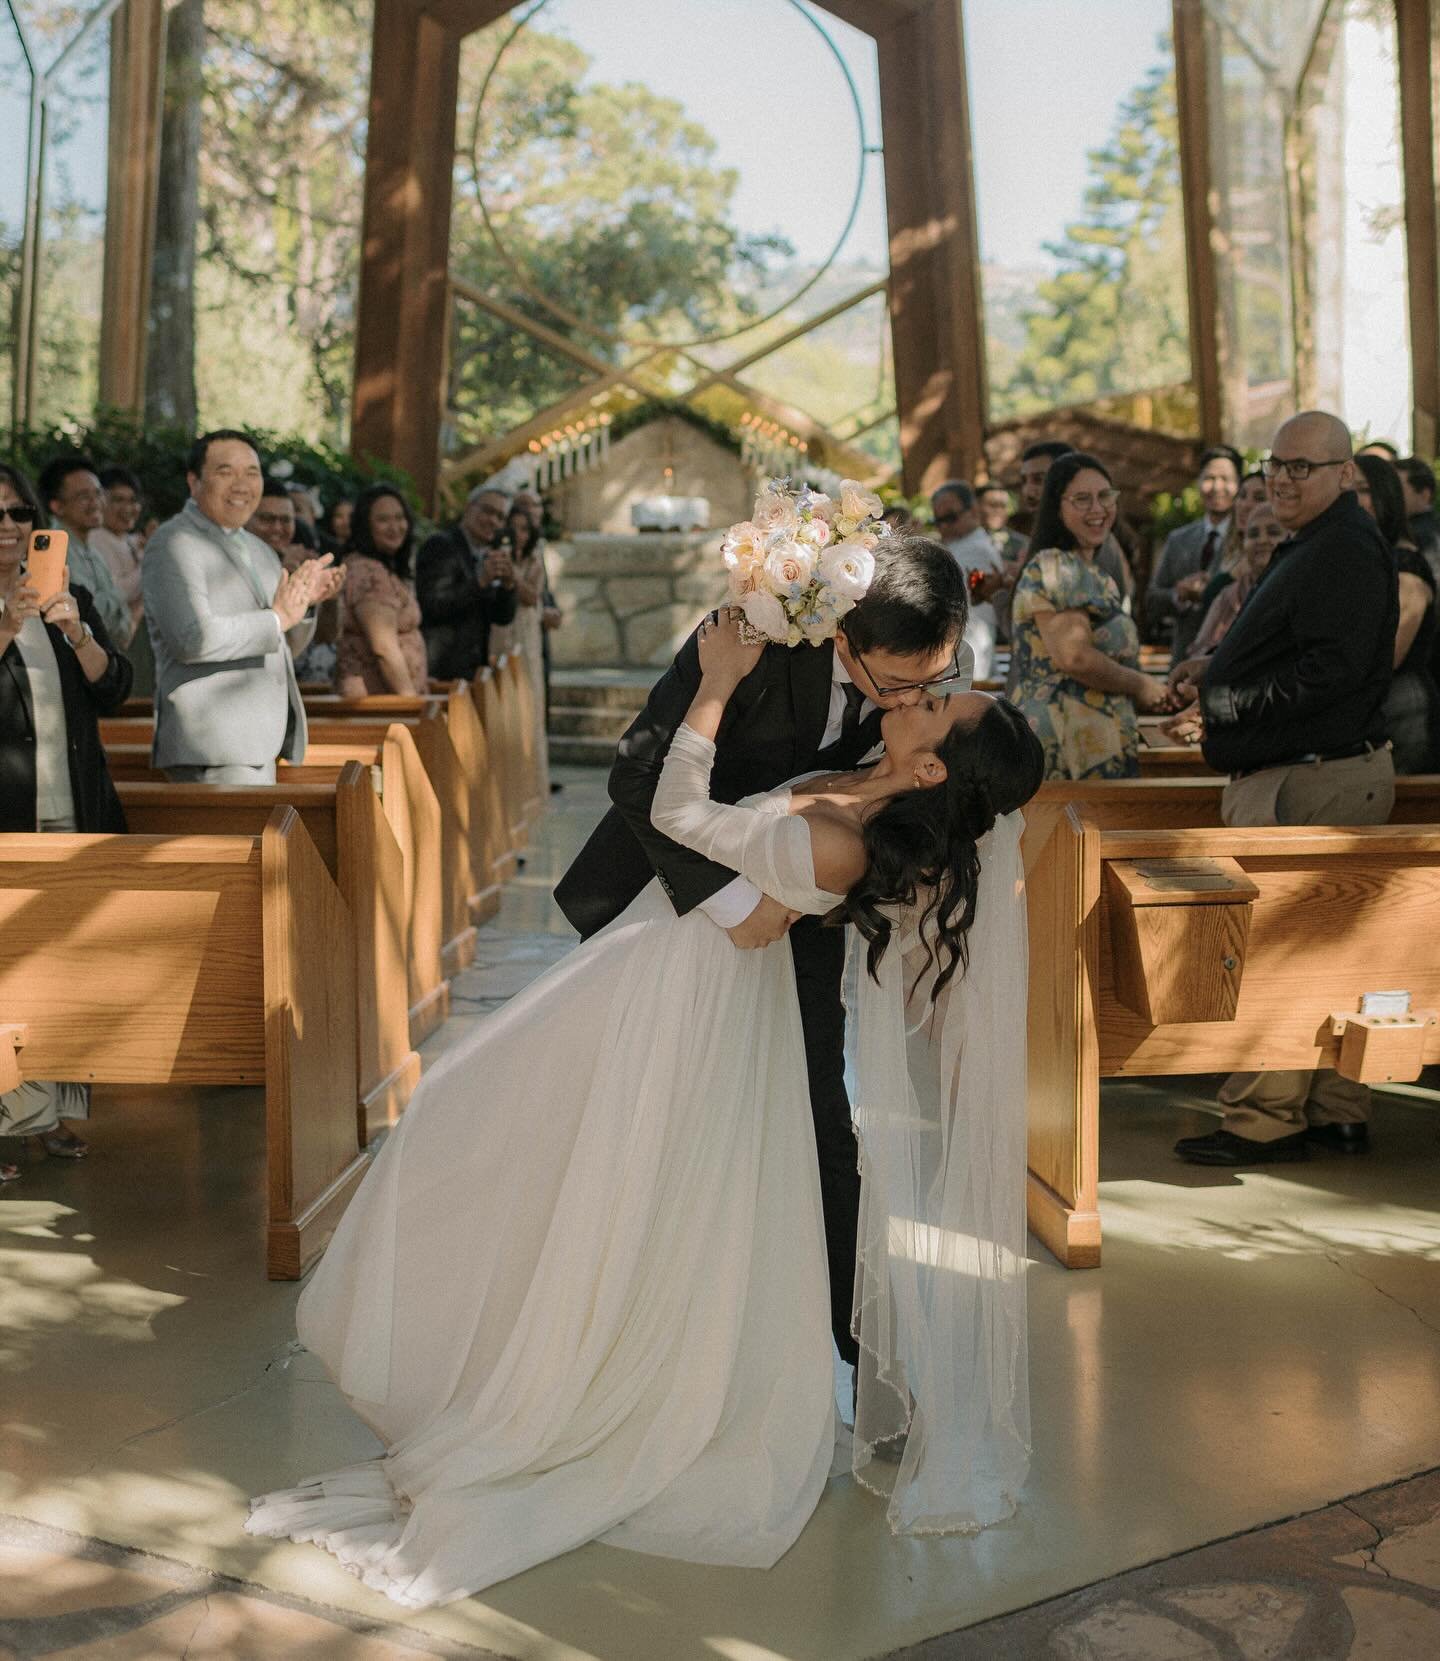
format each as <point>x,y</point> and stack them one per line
<point>485,694</point>
<point>1177,932</point>
<point>313,1155</point>
<point>12,1042</point>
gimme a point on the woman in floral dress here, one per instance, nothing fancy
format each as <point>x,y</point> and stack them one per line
<point>1075,656</point>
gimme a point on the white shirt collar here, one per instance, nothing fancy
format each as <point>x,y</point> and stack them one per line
<point>839,674</point>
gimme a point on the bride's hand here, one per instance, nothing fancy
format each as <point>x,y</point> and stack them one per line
<point>723,655</point>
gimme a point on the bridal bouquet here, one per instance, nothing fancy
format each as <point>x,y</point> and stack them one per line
<point>802,560</point>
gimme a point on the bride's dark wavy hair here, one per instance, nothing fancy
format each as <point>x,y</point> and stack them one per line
<point>927,839</point>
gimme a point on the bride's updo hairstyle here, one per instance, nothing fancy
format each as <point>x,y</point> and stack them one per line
<point>926,839</point>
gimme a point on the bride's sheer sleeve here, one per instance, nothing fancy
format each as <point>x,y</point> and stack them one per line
<point>939,1096</point>
<point>771,849</point>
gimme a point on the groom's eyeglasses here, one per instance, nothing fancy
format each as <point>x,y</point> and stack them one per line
<point>956,681</point>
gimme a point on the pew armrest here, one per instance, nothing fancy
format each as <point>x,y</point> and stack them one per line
<point>1178,932</point>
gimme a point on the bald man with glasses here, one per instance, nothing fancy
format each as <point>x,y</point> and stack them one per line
<point>1291,706</point>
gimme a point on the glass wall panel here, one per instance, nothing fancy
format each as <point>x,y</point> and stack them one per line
<point>1356,235</point>
<point>14,124</point>
<point>72,255</point>
<point>1077,171</point>
<point>281,187</point>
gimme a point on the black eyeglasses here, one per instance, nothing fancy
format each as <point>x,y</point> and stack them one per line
<point>955,681</point>
<point>947,518</point>
<point>1299,469</point>
<point>19,513</point>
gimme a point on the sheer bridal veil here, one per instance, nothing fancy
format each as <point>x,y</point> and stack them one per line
<point>939,1099</point>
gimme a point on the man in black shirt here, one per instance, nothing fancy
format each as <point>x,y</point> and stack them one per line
<point>1292,708</point>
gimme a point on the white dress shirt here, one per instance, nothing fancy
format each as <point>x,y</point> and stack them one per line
<point>733,903</point>
<point>54,798</point>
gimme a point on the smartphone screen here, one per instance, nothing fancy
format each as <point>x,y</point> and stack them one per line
<point>45,562</point>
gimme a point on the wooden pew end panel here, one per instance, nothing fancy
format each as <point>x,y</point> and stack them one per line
<point>1178,933</point>
<point>1382,1049</point>
<point>12,1041</point>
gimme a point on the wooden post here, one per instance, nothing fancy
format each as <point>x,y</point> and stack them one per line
<point>1197,194</point>
<point>1416,42</point>
<point>936,315</point>
<point>137,59</point>
<point>400,344</point>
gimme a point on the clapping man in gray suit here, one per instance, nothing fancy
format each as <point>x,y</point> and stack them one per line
<point>226,621</point>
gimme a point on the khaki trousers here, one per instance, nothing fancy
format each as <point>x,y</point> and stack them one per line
<point>1357,791</point>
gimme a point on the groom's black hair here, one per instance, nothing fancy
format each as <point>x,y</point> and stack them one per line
<point>917,601</point>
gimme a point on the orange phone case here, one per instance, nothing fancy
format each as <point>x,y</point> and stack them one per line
<point>45,562</point>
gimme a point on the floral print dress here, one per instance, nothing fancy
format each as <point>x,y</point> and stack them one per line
<point>1087,734</point>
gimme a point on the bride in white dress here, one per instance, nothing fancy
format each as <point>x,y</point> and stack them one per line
<point>583,1293</point>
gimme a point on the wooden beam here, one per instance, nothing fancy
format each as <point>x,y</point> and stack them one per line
<point>400,341</point>
<point>137,74</point>
<point>936,315</point>
<point>1197,196</point>
<point>801,329</point>
<point>1416,40</point>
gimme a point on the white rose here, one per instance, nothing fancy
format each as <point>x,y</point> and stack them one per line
<point>789,566</point>
<point>848,568</point>
<point>858,503</point>
<point>765,613</point>
<point>815,533</point>
<point>775,511</point>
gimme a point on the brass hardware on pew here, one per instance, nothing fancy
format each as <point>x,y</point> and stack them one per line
<point>1178,931</point>
<point>1382,1049</point>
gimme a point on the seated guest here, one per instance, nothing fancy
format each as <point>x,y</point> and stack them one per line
<point>117,540</point>
<point>381,646</point>
<point>466,585</point>
<point>225,618</point>
<point>1075,660</point>
<point>335,527</point>
<point>1191,554</point>
<point>276,522</point>
<point>958,528</point>
<point>1412,708</point>
<point>1417,480</point>
<point>993,505</point>
<point>58,675</point>
<point>1292,707</point>
<point>70,489</point>
<point>1263,535</point>
<point>1252,493</point>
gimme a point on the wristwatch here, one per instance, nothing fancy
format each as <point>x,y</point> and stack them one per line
<point>86,633</point>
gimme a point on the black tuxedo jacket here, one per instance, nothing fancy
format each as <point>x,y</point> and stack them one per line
<point>771,731</point>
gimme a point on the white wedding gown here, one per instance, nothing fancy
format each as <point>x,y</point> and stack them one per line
<point>583,1293</point>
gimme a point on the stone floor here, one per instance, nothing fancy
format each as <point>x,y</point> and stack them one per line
<point>1259,1350</point>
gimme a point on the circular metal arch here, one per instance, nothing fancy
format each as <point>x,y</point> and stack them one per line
<point>611,336</point>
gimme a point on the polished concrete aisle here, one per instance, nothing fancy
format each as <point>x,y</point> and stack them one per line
<point>1256,1347</point>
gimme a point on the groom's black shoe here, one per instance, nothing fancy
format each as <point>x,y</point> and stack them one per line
<point>1339,1138</point>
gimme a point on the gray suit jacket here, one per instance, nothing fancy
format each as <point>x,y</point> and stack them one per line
<point>1179,558</point>
<point>225,688</point>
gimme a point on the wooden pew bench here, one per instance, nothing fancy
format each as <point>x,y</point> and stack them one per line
<point>410,808</point>
<point>12,1041</point>
<point>201,960</point>
<point>345,821</point>
<point>1141,941</point>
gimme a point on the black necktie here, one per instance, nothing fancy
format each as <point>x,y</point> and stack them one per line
<point>1212,547</point>
<point>850,721</point>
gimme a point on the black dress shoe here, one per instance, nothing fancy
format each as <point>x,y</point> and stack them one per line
<point>1342,1138</point>
<point>1223,1147</point>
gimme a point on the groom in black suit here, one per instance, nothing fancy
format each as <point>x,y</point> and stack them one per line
<point>800,709</point>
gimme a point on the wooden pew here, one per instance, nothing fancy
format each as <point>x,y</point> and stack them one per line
<point>413,815</point>
<point>1335,913</point>
<point>465,737</point>
<point>507,767</point>
<point>198,960</point>
<point>347,825</point>
<point>518,695</point>
<point>1192,803</point>
<point>12,1041</point>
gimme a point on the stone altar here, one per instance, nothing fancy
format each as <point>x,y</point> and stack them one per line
<point>629,601</point>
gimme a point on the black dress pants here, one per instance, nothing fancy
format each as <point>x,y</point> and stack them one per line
<point>819,954</point>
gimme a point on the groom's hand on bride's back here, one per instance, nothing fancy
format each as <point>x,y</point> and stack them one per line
<point>770,921</point>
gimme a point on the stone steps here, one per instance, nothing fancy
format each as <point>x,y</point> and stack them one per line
<point>590,710</point>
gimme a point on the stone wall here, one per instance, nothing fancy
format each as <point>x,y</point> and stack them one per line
<point>629,601</point>
<point>600,500</point>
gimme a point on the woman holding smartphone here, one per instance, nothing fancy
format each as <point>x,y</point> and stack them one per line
<point>58,675</point>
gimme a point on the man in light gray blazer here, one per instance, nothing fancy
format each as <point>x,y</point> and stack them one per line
<point>224,619</point>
